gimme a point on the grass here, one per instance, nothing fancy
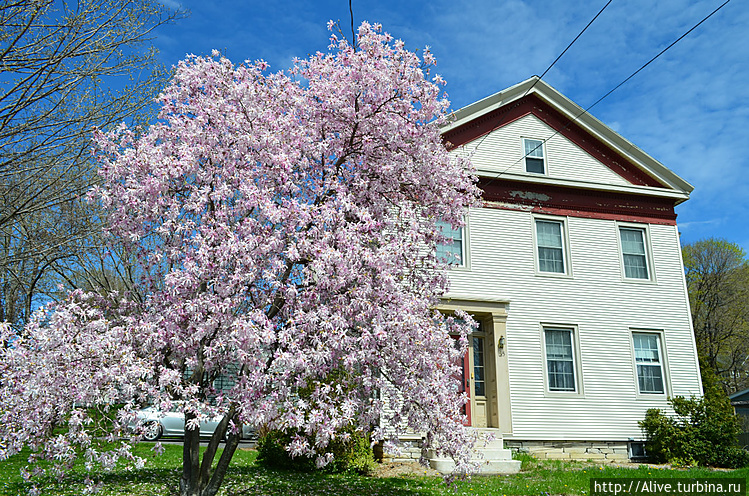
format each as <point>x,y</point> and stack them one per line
<point>245,478</point>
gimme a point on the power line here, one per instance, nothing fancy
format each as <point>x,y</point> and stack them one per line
<point>547,70</point>
<point>571,43</point>
<point>586,110</point>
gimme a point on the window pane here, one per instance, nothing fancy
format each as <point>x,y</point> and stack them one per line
<point>534,148</point>
<point>635,266</point>
<point>549,233</point>
<point>646,348</point>
<point>633,253</point>
<point>558,345</point>
<point>449,232</point>
<point>632,241</point>
<point>550,260</point>
<point>561,376</point>
<point>535,165</point>
<point>559,360</point>
<point>550,252</point>
<point>650,379</point>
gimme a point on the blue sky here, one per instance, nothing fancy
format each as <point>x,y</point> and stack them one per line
<point>689,109</point>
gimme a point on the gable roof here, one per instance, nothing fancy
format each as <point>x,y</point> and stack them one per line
<point>535,96</point>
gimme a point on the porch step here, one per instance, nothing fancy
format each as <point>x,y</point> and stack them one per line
<point>491,455</point>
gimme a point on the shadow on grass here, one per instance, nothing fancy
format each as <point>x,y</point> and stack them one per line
<point>157,481</point>
<point>251,481</point>
<point>240,481</point>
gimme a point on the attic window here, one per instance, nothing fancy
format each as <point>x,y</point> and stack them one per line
<point>534,156</point>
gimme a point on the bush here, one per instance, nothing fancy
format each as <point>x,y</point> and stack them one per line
<point>272,452</point>
<point>351,455</point>
<point>351,448</point>
<point>702,432</point>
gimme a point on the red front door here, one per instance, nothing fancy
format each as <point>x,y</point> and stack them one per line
<point>464,384</point>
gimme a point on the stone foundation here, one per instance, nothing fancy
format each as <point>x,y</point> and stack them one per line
<point>597,451</point>
<point>410,451</point>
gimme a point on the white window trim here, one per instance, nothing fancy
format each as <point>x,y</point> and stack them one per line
<point>566,258</point>
<point>576,360</point>
<point>465,262</point>
<point>664,363</point>
<point>543,152</point>
<point>645,228</point>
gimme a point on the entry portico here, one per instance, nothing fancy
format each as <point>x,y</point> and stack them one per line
<point>485,370</point>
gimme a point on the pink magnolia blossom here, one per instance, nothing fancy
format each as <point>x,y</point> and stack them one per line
<point>284,226</point>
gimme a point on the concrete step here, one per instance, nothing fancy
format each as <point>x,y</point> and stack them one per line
<point>494,444</point>
<point>492,454</point>
<point>493,458</point>
<point>486,467</point>
<point>481,455</point>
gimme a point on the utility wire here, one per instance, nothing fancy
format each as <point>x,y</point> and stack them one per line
<point>610,92</point>
<point>499,123</point>
<point>571,43</point>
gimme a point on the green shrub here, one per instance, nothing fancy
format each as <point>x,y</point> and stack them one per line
<point>351,455</point>
<point>702,432</point>
<point>354,454</point>
<point>272,452</point>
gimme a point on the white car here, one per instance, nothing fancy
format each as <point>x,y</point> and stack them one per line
<point>157,423</point>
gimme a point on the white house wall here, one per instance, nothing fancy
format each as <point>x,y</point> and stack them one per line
<point>598,302</point>
<point>502,151</point>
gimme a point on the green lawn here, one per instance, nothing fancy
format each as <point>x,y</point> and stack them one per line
<point>247,479</point>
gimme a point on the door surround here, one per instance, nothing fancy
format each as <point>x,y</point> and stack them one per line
<point>492,314</point>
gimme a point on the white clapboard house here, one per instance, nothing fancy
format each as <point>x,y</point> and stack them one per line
<point>573,268</point>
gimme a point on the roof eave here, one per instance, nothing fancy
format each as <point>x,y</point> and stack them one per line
<point>677,195</point>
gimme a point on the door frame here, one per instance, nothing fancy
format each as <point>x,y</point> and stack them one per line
<point>492,314</point>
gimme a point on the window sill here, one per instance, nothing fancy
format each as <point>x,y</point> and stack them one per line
<point>651,396</point>
<point>630,280</point>
<point>564,394</point>
<point>459,268</point>
<point>554,275</point>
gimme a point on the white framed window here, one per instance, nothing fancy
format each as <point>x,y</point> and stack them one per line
<point>551,246</point>
<point>649,362</point>
<point>560,345</point>
<point>454,251</point>
<point>533,152</point>
<point>633,242</point>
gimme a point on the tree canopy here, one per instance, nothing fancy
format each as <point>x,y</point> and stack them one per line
<point>284,227</point>
<point>717,274</point>
<point>65,68</point>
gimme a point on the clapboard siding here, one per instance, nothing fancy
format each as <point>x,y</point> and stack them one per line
<point>599,303</point>
<point>502,151</point>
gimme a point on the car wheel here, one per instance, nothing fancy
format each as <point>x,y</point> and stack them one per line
<point>151,431</point>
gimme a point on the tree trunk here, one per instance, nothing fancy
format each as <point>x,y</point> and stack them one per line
<point>197,479</point>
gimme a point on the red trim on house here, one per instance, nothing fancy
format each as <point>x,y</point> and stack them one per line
<point>573,202</point>
<point>532,104</point>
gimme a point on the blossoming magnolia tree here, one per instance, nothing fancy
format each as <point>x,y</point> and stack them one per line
<point>285,225</point>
